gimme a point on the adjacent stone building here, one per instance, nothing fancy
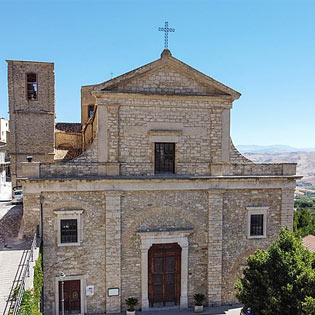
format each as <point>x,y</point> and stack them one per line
<point>158,204</point>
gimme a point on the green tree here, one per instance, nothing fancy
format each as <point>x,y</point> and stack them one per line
<point>309,306</point>
<point>280,280</point>
<point>303,203</point>
<point>304,222</point>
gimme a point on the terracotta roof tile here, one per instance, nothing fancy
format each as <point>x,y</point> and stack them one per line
<point>309,243</point>
<point>69,127</point>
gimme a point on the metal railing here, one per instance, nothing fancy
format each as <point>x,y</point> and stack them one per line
<point>14,300</point>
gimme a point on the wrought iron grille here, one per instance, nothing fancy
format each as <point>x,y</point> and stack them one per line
<point>69,231</point>
<point>256,224</point>
<point>164,158</point>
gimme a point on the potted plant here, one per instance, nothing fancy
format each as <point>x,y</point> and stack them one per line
<point>131,303</point>
<point>199,299</point>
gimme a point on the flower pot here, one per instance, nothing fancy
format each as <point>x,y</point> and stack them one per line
<point>198,308</point>
<point>130,312</point>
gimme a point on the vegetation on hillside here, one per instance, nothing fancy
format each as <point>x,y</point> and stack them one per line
<point>304,219</point>
<point>280,280</point>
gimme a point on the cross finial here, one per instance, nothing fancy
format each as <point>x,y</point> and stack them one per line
<point>166,30</point>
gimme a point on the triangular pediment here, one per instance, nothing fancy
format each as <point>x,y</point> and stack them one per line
<point>167,75</point>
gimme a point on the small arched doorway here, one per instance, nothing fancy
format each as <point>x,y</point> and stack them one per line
<point>164,274</point>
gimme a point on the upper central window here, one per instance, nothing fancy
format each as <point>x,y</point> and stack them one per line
<point>31,82</point>
<point>164,158</point>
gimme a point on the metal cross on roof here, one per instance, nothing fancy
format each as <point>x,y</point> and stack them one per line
<point>166,30</point>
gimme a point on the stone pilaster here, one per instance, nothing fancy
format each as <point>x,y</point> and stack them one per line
<point>31,217</point>
<point>226,136</point>
<point>113,132</point>
<point>102,138</point>
<point>215,247</point>
<point>287,208</point>
<point>113,251</point>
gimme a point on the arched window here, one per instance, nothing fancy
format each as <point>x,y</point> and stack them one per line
<point>31,86</point>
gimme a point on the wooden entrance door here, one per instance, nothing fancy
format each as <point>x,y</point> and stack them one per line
<point>72,297</point>
<point>164,274</point>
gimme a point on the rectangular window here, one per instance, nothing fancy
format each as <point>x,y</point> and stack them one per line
<point>69,231</point>
<point>90,111</point>
<point>256,225</point>
<point>257,222</point>
<point>31,86</point>
<point>164,158</point>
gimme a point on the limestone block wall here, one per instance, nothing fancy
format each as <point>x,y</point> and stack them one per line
<point>67,139</point>
<point>31,214</point>
<point>90,154</point>
<point>88,259</point>
<point>109,254</point>
<point>236,244</point>
<point>16,166</point>
<point>158,211</point>
<point>197,143</point>
<point>68,169</point>
<point>256,169</point>
<point>166,80</point>
<point>236,157</point>
<point>287,204</point>
<point>32,132</point>
<point>84,165</point>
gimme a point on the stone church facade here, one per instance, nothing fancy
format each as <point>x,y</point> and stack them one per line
<point>157,204</point>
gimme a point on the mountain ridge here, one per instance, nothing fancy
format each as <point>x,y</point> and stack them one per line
<point>271,149</point>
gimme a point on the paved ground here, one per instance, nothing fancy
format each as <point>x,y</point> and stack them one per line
<point>9,261</point>
<point>10,221</point>
<point>11,248</point>
<point>220,310</point>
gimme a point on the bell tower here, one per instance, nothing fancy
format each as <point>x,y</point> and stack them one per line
<point>31,89</point>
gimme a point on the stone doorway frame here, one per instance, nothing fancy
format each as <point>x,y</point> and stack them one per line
<point>147,240</point>
<point>82,279</point>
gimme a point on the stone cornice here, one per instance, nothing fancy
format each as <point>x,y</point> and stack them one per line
<point>108,95</point>
<point>164,233</point>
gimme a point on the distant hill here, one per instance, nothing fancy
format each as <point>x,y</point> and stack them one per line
<point>271,149</point>
<point>305,162</point>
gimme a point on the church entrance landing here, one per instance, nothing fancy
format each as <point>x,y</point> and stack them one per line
<point>164,275</point>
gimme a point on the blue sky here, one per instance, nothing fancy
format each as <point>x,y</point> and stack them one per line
<point>263,49</point>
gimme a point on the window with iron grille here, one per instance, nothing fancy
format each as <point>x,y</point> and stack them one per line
<point>257,225</point>
<point>69,231</point>
<point>257,221</point>
<point>90,110</point>
<point>31,86</point>
<point>164,158</point>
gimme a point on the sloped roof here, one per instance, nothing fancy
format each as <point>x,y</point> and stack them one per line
<point>69,127</point>
<point>309,243</point>
<point>167,60</point>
